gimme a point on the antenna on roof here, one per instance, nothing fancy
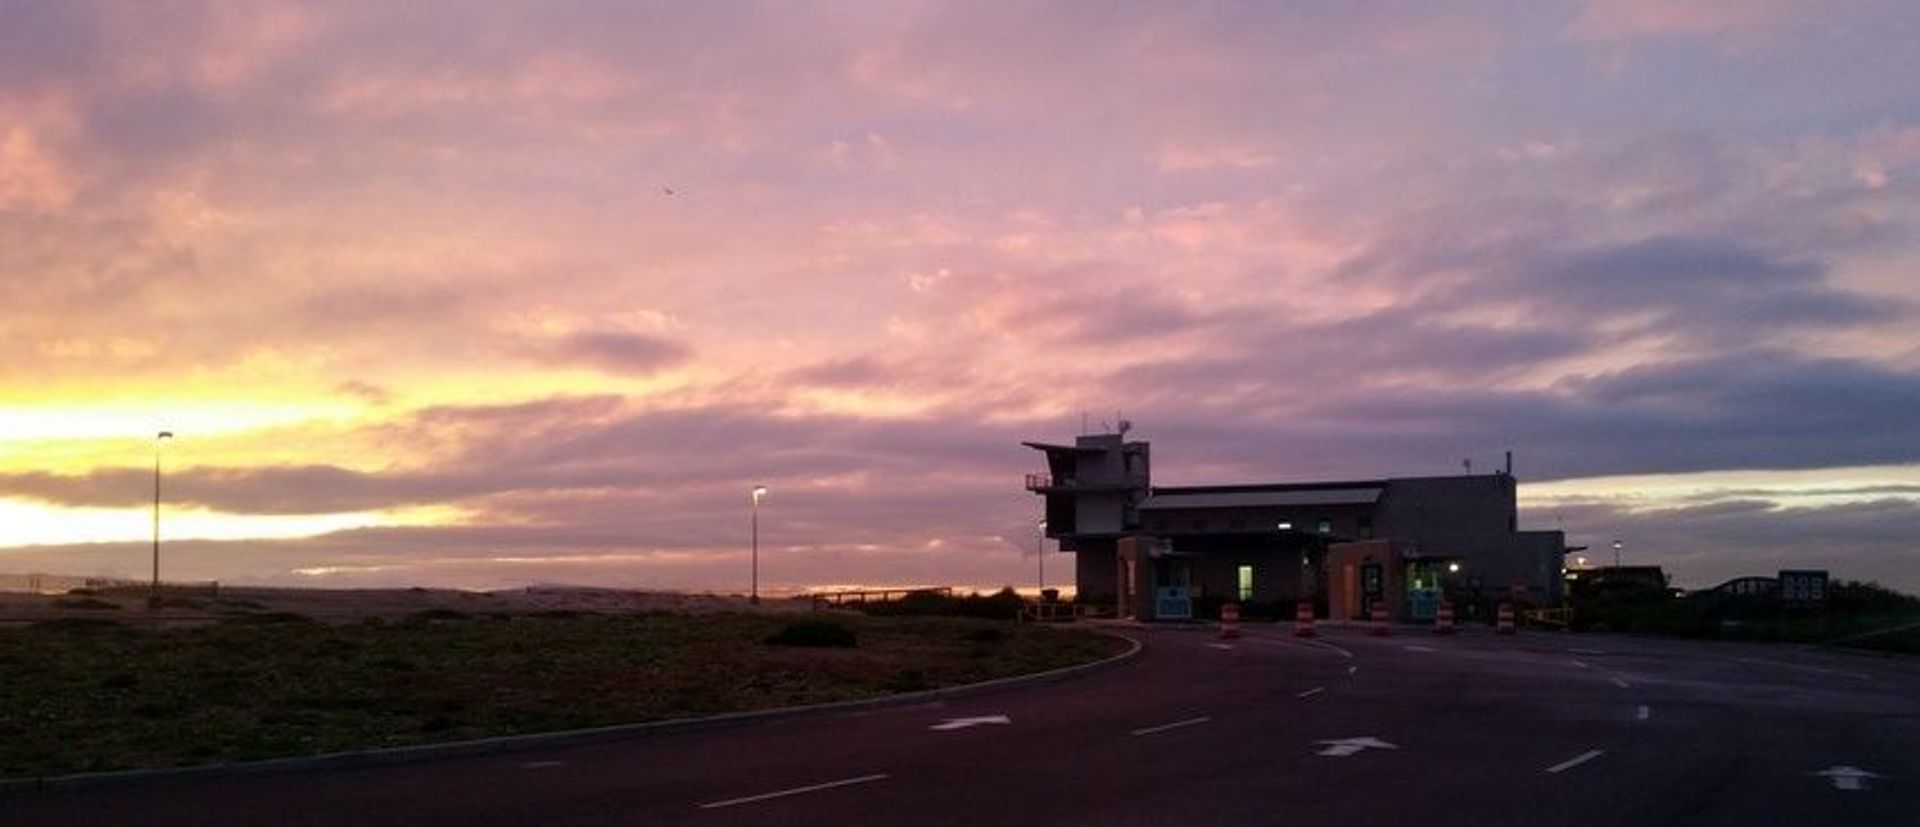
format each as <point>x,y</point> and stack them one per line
<point>1125,426</point>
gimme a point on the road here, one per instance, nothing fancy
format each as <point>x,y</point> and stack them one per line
<point>1346,728</point>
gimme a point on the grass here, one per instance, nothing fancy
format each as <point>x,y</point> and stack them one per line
<point>100,695</point>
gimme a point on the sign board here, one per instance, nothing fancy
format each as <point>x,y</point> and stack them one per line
<point>1805,588</point>
<point>1173,603</point>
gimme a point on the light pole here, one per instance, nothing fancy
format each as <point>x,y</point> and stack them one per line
<point>1040,553</point>
<point>758,492</point>
<point>153,595</point>
<point>1616,553</point>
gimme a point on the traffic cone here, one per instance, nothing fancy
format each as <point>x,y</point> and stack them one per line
<point>1229,621</point>
<point>1443,619</point>
<point>1303,619</point>
<point>1503,624</point>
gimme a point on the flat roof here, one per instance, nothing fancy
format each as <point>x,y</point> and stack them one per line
<point>1267,497</point>
<point>1042,446</point>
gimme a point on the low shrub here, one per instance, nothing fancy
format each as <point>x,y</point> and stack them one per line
<point>813,632</point>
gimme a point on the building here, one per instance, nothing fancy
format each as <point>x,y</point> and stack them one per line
<point>1356,548</point>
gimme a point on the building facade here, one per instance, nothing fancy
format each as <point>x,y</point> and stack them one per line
<point>1356,548</point>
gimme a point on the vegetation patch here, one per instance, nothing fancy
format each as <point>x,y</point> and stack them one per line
<point>88,694</point>
<point>814,632</point>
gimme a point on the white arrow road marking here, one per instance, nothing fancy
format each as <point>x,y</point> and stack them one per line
<point>1847,778</point>
<point>811,788</point>
<point>963,723</point>
<point>1175,725</point>
<point>1577,760</point>
<point>1642,713</point>
<point>1343,747</point>
<point>1311,692</point>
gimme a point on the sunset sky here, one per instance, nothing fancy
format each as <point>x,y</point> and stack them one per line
<point>492,294</point>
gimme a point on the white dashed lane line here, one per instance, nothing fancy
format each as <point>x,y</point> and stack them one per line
<point>1621,682</point>
<point>1575,761</point>
<point>1310,693</point>
<point>1175,725</point>
<point>811,788</point>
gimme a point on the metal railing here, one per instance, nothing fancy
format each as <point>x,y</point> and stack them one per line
<point>823,600</point>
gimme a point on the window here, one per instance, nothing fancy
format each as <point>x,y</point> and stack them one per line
<point>1246,582</point>
<point>1326,526</point>
<point>1366,527</point>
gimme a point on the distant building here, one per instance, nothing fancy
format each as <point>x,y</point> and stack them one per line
<point>1391,546</point>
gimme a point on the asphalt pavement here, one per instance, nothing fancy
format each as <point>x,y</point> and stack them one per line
<point>1344,728</point>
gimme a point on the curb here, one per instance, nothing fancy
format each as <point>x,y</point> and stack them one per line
<point>503,744</point>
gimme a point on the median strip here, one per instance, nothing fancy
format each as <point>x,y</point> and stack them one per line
<point>811,788</point>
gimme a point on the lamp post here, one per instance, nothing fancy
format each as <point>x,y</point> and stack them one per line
<point>1616,553</point>
<point>759,491</point>
<point>153,594</point>
<point>1040,554</point>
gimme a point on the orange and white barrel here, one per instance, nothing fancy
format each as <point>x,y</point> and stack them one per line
<point>1503,623</point>
<point>1443,619</point>
<point>1303,619</point>
<point>1230,621</point>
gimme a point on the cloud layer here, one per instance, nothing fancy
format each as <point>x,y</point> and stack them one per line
<point>573,277</point>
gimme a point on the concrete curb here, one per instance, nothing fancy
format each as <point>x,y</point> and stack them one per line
<point>504,744</point>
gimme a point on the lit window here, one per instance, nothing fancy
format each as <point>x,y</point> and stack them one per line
<point>1326,526</point>
<point>1246,582</point>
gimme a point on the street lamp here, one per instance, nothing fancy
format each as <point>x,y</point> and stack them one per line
<point>1616,553</point>
<point>153,595</point>
<point>759,491</point>
<point>1040,553</point>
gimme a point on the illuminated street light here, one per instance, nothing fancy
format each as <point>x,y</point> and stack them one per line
<point>153,595</point>
<point>1616,553</point>
<point>1453,568</point>
<point>759,491</point>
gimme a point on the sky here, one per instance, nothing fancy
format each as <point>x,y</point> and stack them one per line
<point>495,294</point>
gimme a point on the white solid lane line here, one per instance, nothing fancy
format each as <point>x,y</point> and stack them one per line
<point>1577,760</point>
<point>1311,692</point>
<point>1642,713</point>
<point>1175,725</point>
<point>811,788</point>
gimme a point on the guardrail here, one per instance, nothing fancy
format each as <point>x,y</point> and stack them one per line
<point>823,600</point>
<point>1053,612</point>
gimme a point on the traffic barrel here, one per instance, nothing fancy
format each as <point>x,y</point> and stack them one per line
<point>1379,627</point>
<point>1504,623</point>
<point>1443,619</point>
<point>1230,621</point>
<point>1303,619</point>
